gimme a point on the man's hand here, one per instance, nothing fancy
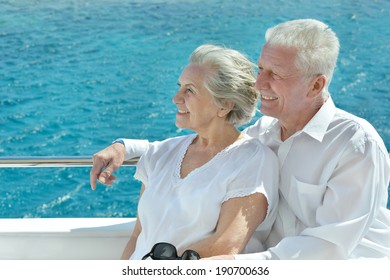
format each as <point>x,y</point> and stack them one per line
<point>220,257</point>
<point>111,158</point>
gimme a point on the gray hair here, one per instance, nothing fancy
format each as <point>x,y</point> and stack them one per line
<point>317,46</point>
<point>231,80</point>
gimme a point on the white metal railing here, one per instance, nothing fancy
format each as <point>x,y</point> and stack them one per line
<point>53,161</point>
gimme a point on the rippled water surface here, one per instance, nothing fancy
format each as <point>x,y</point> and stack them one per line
<point>74,75</point>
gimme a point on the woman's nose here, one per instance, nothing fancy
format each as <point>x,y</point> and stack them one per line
<point>177,98</point>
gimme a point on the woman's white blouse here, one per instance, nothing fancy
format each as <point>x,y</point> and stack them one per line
<point>183,211</point>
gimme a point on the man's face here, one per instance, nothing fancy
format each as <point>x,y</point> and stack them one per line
<point>283,90</point>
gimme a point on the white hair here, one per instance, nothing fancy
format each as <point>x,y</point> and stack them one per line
<point>316,44</point>
<point>231,80</point>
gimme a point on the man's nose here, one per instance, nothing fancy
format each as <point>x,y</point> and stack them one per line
<point>262,81</point>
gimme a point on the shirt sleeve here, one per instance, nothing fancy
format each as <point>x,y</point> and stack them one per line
<point>135,147</point>
<point>266,255</point>
<point>258,172</point>
<point>147,161</point>
<point>141,171</point>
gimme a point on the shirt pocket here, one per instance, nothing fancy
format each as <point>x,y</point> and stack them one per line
<point>305,199</point>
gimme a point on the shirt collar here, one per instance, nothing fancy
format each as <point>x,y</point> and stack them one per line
<point>319,124</point>
<point>316,127</point>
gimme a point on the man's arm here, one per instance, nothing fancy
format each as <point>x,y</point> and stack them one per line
<point>108,160</point>
<point>135,148</point>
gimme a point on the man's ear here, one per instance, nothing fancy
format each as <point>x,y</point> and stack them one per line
<point>317,85</point>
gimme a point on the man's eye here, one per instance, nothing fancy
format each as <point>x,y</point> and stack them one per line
<point>275,76</point>
<point>189,90</point>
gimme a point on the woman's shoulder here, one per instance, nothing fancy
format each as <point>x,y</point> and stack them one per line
<point>170,144</point>
<point>252,149</point>
<point>173,141</point>
<point>161,152</point>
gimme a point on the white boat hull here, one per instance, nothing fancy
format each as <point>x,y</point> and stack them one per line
<point>64,238</point>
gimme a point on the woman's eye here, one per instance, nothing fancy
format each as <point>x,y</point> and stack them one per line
<point>189,90</point>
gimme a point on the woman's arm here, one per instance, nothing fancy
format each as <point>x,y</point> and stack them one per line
<point>130,247</point>
<point>238,219</point>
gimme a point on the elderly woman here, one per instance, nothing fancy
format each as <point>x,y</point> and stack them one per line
<point>209,191</point>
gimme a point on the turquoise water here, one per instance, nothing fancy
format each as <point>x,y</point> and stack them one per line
<point>74,75</point>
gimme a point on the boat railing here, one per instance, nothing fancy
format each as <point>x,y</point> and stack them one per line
<point>53,161</point>
<point>62,238</point>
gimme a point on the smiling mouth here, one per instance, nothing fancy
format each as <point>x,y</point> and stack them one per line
<point>182,112</point>
<point>269,98</point>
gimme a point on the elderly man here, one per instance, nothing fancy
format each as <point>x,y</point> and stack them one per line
<point>334,167</point>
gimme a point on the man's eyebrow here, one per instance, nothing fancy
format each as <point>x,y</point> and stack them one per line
<point>277,67</point>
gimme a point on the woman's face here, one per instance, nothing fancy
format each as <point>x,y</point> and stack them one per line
<point>196,109</point>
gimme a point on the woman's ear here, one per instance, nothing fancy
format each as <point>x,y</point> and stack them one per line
<point>317,85</point>
<point>227,107</point>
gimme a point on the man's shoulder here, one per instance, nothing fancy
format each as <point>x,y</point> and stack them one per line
<point>260,126</point>
<point>350,121</point>
<point>359,129</point>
